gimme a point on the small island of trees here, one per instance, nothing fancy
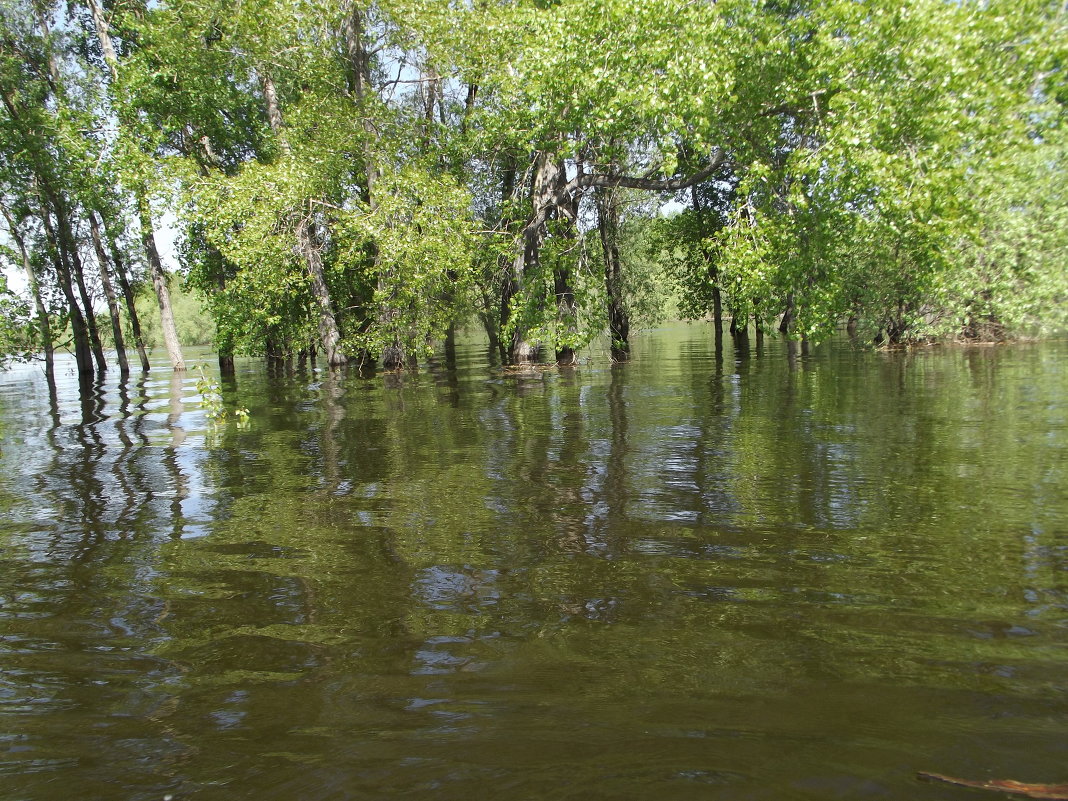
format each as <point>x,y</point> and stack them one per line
<point>358,179</point>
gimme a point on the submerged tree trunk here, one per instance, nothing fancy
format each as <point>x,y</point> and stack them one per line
<point>740,332</point>
<point>207,159</point>
<point>505,268</point>
<point>394,353</point>
<point>525,264</point>
<point>787,315</point>
<point>566,308</point>
<point>566,314</point>
<point>109,293</point>
<point>618,319</point>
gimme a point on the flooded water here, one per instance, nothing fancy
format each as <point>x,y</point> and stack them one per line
<point>688,577</point>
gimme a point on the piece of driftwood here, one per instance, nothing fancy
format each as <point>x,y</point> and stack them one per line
<point>1049,792</point>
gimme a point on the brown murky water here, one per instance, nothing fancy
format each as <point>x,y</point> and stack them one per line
<point>689,577</point>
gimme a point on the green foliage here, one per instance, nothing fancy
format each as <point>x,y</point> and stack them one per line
<point>211,399</point>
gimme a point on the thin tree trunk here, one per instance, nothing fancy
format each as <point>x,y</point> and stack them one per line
<point>128,296</point>
<point>509,287</point>
<point>566,313</point>
<point>87,306</point>
<point>713,269</point>
<point>109,293</point>
<point>103,35</point>
<point>740,332</point>
<point>566,308</point>
<point>618,319</point>
<point>68,251</point>
<point>159,283</point>
<point>207,159</point>
<point>329,336</point>
<point>46,35</point>
<point>525,264</point>
<point>547,202</point>
<point>359,84</point>
<point>359,76</point>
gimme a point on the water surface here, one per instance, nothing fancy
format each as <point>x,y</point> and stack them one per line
<point>694,576</point>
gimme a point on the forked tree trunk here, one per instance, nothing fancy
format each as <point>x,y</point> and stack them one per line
<point>548,201</point>
<point>566,308</point>
<point>394,355</point>
<point>552,195</point>
<point>787,316</point>
<point>83,354</point>
<point>307,241</point>
<point>68,251</point>
<point>566,313</point>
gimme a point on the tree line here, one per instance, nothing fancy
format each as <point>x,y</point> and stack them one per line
<point>356,179</point>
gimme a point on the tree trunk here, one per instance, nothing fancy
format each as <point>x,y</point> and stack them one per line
<point>159,282</point>
<point>505,268</point>
<point>109,293</point>
<point>618,319</point>
<point>851,327</point>
<point>103,36</point>
<point>127,295</point>
<point>525,264</point>
<point>329,335</point>
<point>740,332</point>
<point>207,160</point>
<point>394,354</point>
<point>359,85</point>
<point>566,308</point>
<point>144,214</point>
<point>548,201</point>
<point>566,313</point>
<point>68,251</point>
<point>787,315</point>
<point>87,307</point>
<point>68,256</point>
<point>83,353</point>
